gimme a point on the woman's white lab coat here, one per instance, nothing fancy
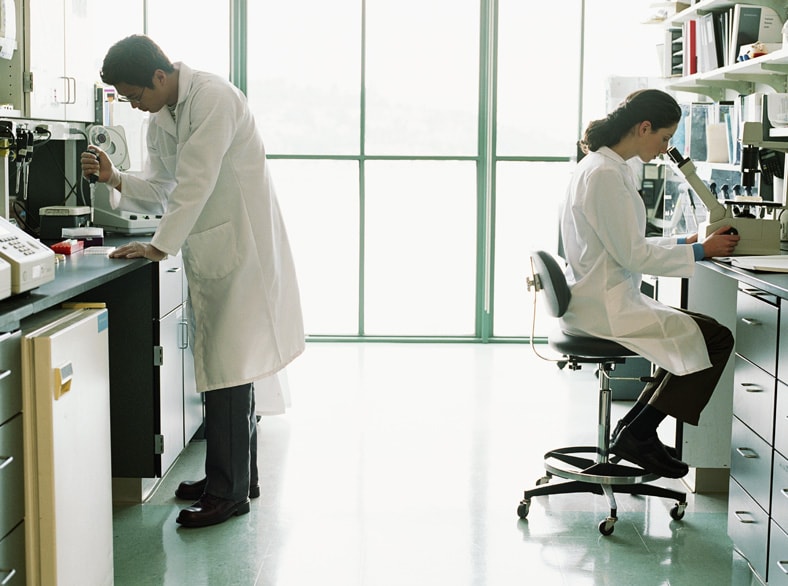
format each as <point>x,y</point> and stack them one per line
<point>603,226</point>
<point>210,175</point>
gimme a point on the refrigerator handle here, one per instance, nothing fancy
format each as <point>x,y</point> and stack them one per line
<point>183,338</point>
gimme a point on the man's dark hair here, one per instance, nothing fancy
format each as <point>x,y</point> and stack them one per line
<point>133,61</point>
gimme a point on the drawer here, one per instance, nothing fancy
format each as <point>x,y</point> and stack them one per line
<point>754,397</point>
<point>756,329</point>
<point>780,491</point>
<point>170,284</point>
<point>12,557</point>
<point>748,528</point>
<point>781,420</point>
<point>751,463</point>
<point>12,507</point>
<point>10,378</point>
<point>778,557</point>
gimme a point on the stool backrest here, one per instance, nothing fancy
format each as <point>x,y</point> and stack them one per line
<point>552,281</point>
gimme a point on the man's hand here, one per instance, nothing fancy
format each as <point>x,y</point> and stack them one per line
<point>138,250</point>
<point>720,243</point>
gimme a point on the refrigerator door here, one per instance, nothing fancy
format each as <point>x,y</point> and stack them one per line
<point>67,448</point>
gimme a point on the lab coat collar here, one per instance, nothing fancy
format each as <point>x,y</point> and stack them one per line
<point>611,154</point>
<point>163,117</point>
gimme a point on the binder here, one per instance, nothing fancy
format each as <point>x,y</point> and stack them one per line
<point>751,24</point>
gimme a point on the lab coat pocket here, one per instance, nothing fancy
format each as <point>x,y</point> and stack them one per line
<point>626,310</point>
<point>213,253</point>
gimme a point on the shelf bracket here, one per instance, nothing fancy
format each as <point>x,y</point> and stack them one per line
<point>740,87</point>
<point>775,81</point>
<point>716,94</point>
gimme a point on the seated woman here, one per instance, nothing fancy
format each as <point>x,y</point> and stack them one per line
<point>603,227</point>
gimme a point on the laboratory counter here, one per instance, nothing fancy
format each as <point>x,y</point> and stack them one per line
<point>77,274</point>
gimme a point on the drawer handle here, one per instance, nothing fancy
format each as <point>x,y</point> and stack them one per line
<point>752,388</point>
<point>747,452</point>
<point>11,573</point>
<point>782,565</point>
<point>740,515</point>
<point>174,270</point>
<point>785,492</point>
<point>5,461</point>
<point>751,321</point>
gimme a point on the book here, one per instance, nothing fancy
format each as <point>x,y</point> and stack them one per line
<point>752,24</point>
<point>690,64</point>
<point>776,263</point>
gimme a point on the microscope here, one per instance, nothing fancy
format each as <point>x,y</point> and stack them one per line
<point>756,222</point>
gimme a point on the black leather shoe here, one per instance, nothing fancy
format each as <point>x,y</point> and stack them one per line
<point>211,510</point>
<point>672,452</point>
<point>192,490</point>
<point>649,454</point>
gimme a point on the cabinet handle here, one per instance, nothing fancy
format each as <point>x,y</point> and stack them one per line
<point>785,492</point>
<point>174,270</point>
<point>781,565</point>
<point>9,574</point>
<point>751,321</point>
<point>183,342</point>
<point>747,452</point>
<point>752,388</point>
<point>740,515</point>
<point>72,90</point>
<point>5,461</point>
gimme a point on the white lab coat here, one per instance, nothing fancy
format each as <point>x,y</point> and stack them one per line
<point>603,225</point>
<point>210,176</point>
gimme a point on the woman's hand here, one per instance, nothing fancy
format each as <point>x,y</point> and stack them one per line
<point>138,250</point>
<point>720,243</point>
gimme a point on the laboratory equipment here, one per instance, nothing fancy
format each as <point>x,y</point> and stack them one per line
<point>112,140</point>
<point>66,427</point>
<point>31,263</point>
<point>758,227</point>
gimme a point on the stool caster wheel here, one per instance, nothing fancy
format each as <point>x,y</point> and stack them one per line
<point>677,512</point>
<point>522,510</point>
<point>606,527</point>
<point>544,479</point>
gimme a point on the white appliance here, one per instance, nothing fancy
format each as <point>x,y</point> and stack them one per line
<point>68,472</point>
<point>112,140</point>
<point>30,263</point>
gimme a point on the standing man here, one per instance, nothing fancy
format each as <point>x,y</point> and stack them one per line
<point>207,170</point>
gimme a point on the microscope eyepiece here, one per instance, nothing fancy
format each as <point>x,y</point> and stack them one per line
<point>676,156</point>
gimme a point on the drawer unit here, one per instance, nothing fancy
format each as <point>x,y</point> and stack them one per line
<point>12,485</point>
<point>751,463</point>
<point>756,328</point>
<point>748,527</point>
<point>171,293</point>
<point>12,557</point>
<point>10,380</point>
<point>754,397</point>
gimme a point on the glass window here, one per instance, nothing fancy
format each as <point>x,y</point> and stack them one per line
<point>539,77</point>
<point>198,35</point>
<point>528,196</point>
<point>420,263</point>
<point>304,75</point>
<point>422,77</point>
<point>319,202</point>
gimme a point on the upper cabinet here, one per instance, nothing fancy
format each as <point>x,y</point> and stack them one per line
<point>61,81</point>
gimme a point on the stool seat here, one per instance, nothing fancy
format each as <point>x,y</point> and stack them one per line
<point>586,347</point>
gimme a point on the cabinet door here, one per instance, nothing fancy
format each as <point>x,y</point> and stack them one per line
<point>46,59</point>
<point>192,400</point>
<point>79,74</point>
<point>171,388</point>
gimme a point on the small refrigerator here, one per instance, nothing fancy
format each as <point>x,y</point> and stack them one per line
<point>68,473</point>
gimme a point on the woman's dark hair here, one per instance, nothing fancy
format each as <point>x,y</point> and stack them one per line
<point>133,61</point>
<point>654,106</point>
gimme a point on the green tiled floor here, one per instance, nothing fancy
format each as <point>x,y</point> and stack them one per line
<point>403,465</point>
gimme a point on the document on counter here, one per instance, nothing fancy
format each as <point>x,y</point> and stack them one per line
<point>775,263</point>
<point>105,250</point>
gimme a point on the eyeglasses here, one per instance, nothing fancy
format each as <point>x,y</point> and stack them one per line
<point>136,100</point>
